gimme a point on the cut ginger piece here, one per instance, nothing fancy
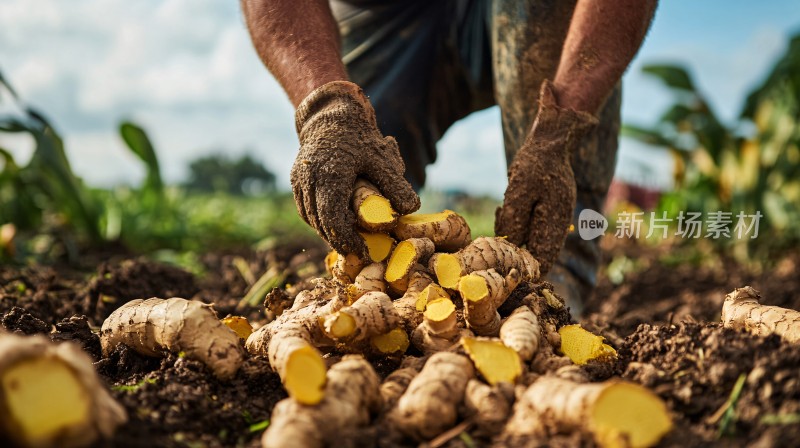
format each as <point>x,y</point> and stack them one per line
<point>405,255</point>
<point>440,315</point>
<point>448,270</point>
<point>305,375</point>
<point>448,230</point>
<point>429,294</point>
<point>44,398</point>
<point>379,245</point>
<point>628,415</point>
<point>239,325</point>
<point>395,341</point>
<point>496,362</point>
<point>617,413</point>
<point>374,212</point>
<point>582,346</point>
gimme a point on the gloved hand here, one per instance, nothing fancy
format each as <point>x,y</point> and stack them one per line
<point>540,198</point>
<point>340,141</point>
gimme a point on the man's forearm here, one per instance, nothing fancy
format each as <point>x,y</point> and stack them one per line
<point>298,41</point>
<point>603,38</point>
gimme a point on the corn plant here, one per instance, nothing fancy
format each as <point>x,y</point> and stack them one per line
<point>752,165</point>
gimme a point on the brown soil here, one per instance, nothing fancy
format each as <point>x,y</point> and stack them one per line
<point>661,319</point>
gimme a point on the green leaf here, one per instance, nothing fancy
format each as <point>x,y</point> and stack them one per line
<point>260,426</point>
<point>673,76</point>
<point>649,136</point>
<point>139,143</point>
<point>133,387</point>
<point>729,417</point>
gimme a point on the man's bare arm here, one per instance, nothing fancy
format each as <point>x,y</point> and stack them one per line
<point>603,38</point>
<point>298,41</point>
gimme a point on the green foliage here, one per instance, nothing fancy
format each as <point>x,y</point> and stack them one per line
<point>50,207</point>
<point>244,176</point>
<point>750,166</point>
<point>45,191</point>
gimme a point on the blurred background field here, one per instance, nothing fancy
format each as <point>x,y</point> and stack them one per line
<point>159,132</point>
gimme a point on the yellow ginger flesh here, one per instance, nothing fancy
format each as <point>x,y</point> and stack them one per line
<point>305,375</point>
<point>496,362</point>
<point>379,245</point>
<point>395,341</point>
<point>44,397</point>
<point>377,210</point>
<point>628,415</point>
<point>473,287</point>
<point>399,262</point>
<point>582,346</point>
<point>429,294</point>
<point>448,270</point>
<point>239,325</point>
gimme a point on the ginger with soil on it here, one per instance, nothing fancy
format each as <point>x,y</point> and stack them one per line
<point>239,325</point>
<point>352,396</point>
<point>742,310</point>
<point>617,413</point>
<point>521,332</point>
<point>392,342</point>
<point>371,315</point>
<point>406,305</point>
<point>379,245</point>
<point>439,330</point>
<point>430,404</point>
<point>397,382</point>
<point>483,292</point>
<point>290,342</point>
<point>489,406</point>
<point>495,362</point>
<point>429,294</point>
<point>155,326</point>
<point>482,254</point>
<point>582,346</point>
<point>50,394</point>
<point>405,256</point>
<point>345,268</point>
<point>448,230</point>
<point>373,211</point>
<point>370,279</point>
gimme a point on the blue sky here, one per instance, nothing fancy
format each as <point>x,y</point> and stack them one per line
<point>186,71</point>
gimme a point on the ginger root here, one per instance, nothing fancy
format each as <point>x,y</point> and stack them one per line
<point>582,346</point>
<point>397,382</point>
<point>489,406</point>
<point>369,279</point>
<point>155,326</point>
<point>496,362</point>
<point>290,340</point>
<point>392,342</point>
<point>742,310</point>
<point>439,330</point>
<point>50,395</point>
<point>239,325</point>
<point>617,413</point>
<point>370,315</point>
<point>482,254</point>
<point>373,211</point>
<point>448,230</point>
<point>430,404</point>
<point>346,268</point>
<point>406,305</point>
<point>352,395</point>
<point>379,245</point>
<point>405,256</point>
<point>483,292</point>
<point>521,332</point>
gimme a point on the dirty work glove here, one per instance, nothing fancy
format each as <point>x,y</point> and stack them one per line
<point>540,198</point>
<point>339,142</point>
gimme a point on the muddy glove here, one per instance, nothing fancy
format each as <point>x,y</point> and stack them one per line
<point>339,142</point>
<point>540,198</point>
